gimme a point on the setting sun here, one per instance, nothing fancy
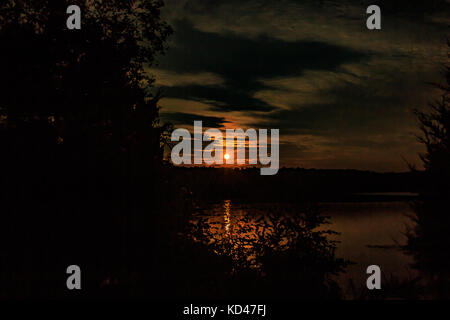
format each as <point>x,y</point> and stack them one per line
<point>226,156</point>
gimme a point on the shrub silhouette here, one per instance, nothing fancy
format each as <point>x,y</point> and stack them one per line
<point>429,241</point>
<point>81,141</point>
<point>278,254</point>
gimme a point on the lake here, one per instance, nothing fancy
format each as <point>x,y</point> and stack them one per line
<point>368,233</point>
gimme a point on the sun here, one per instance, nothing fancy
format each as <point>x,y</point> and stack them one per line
<point>226,156</point>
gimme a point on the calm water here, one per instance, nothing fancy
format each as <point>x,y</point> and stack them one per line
<point>368,233</point>
<point>368,224</point>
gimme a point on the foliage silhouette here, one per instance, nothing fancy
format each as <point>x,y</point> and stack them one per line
<point>83,180</point>
<point>429,241</point>
<point>276,254</point>
<point>81,140</point>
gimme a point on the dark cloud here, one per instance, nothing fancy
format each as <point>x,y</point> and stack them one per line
<point>395,7</point>
<point>243,62</point>
<point>340,94</point>
<point>410,7</point>
<point>218,97</point>
<point>291,150</point>
<point>363,108</point>
<point>181,118</point>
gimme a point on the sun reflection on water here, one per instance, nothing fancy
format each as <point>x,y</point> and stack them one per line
<point>226,215</point>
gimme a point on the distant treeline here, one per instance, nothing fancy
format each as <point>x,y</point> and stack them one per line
<point>292,184</point>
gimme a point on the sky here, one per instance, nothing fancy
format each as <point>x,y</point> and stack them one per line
<point>341,95</point>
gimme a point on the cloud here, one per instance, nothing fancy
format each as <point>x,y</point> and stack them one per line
<point>368,98</point>
<point>341,95</point>
<point>241,63</point>
<point>167,78</point>
<point>181,118</point>
<point>340,22</point>
<point>218,98</point>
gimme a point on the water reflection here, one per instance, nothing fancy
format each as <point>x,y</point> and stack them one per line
<point>366,229</point>
<point>272,247</point>
<point>371,233</point>
<point>243,230</point>
<point>226,215</point>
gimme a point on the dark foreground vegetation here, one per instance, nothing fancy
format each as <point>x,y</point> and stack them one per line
<point>429,241</point>
<point>82,175</point>
<point>83,180</point>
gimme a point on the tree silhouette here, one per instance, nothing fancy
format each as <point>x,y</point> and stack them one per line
<point>93,77</point>
<point>435,127</point>
<point>81,139</point>
<point>429,241</point>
